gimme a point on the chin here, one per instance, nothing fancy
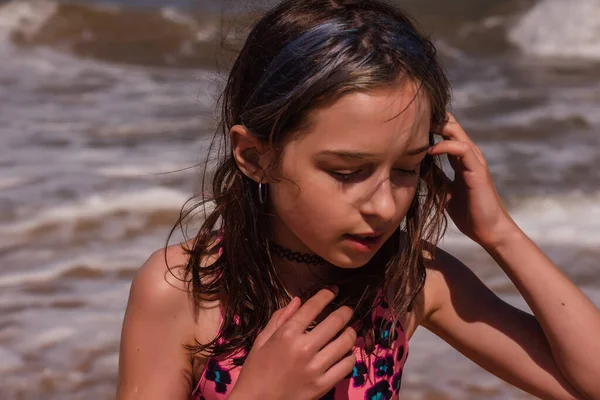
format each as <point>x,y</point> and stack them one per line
<point>347,262</point>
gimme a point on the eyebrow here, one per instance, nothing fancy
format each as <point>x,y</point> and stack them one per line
<point>362,156</point>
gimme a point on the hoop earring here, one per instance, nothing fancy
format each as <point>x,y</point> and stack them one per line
<point>262,192</point>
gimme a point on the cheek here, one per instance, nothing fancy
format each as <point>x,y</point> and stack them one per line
<point>310,205</point>
<point>318,207</point>
<point>405,199</point>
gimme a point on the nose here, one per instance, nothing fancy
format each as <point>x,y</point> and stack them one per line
<point>381,203</point>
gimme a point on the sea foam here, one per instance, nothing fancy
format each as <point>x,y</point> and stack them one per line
<point>560,28</point>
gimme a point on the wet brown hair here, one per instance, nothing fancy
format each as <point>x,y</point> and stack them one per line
<point>299,57</point>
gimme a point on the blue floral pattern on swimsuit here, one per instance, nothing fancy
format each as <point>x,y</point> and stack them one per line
<point>218,375</point>
<point>375,376</point>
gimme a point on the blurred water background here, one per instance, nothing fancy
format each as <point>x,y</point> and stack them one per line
<point>101,101</point>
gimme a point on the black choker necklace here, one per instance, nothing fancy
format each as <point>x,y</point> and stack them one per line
<point>304,258</point>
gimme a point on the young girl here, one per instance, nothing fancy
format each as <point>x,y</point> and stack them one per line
<point>329,182</point>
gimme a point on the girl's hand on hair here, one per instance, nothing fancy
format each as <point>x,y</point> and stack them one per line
<point>473,201</point>
<point>286,362</point>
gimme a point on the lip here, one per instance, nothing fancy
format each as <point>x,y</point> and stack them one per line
<point>364,243</point>
<point>368,234</point>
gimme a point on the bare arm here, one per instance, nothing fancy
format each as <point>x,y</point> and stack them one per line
<point>569,320</point>
<point>551,355</point>
<point>153,363</point>
<point>554,353</point>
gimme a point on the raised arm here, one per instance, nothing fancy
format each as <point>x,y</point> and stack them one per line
<point>555,352</point>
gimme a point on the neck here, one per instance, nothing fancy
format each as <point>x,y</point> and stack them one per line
<point>302,272</point>
<point>299,278</point>
<point>302,279</point>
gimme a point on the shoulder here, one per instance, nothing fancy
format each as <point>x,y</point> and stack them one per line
<point>161,290</point>
<point>444,273</point>
<point>160,325</point>
<point>164,270</point>
<point>450,284</point>
<point>159,300</point>
<point>159,285</point>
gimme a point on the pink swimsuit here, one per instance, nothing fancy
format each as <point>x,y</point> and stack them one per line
<point>375,377</point>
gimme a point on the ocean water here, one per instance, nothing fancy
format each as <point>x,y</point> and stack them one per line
<point>105,112</point>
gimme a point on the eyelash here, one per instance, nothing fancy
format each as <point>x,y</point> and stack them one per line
<point>344,178</point>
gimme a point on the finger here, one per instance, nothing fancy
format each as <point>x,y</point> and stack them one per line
<point>288,311</point>
<point>329,328</point>
<point>338,371</point>
<point>461,150</point>
<point>309,311</point>
<point>279,318</point>
<point>478,153</point>
<point>452,130</point>
<point>336,350</point>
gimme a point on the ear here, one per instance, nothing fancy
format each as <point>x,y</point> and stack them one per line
<point>249,153</point>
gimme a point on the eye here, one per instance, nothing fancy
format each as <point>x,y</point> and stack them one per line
<point>345,176</point>
<point>401,176</point>
<point>407,171</point>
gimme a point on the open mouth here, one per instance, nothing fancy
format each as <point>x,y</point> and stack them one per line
<point>364,239</point>
<point>364,242</point>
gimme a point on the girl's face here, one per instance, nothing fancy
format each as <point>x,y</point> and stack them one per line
<point>349,182</point>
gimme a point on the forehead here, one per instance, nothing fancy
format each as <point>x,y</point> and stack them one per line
<point>384,120</point>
